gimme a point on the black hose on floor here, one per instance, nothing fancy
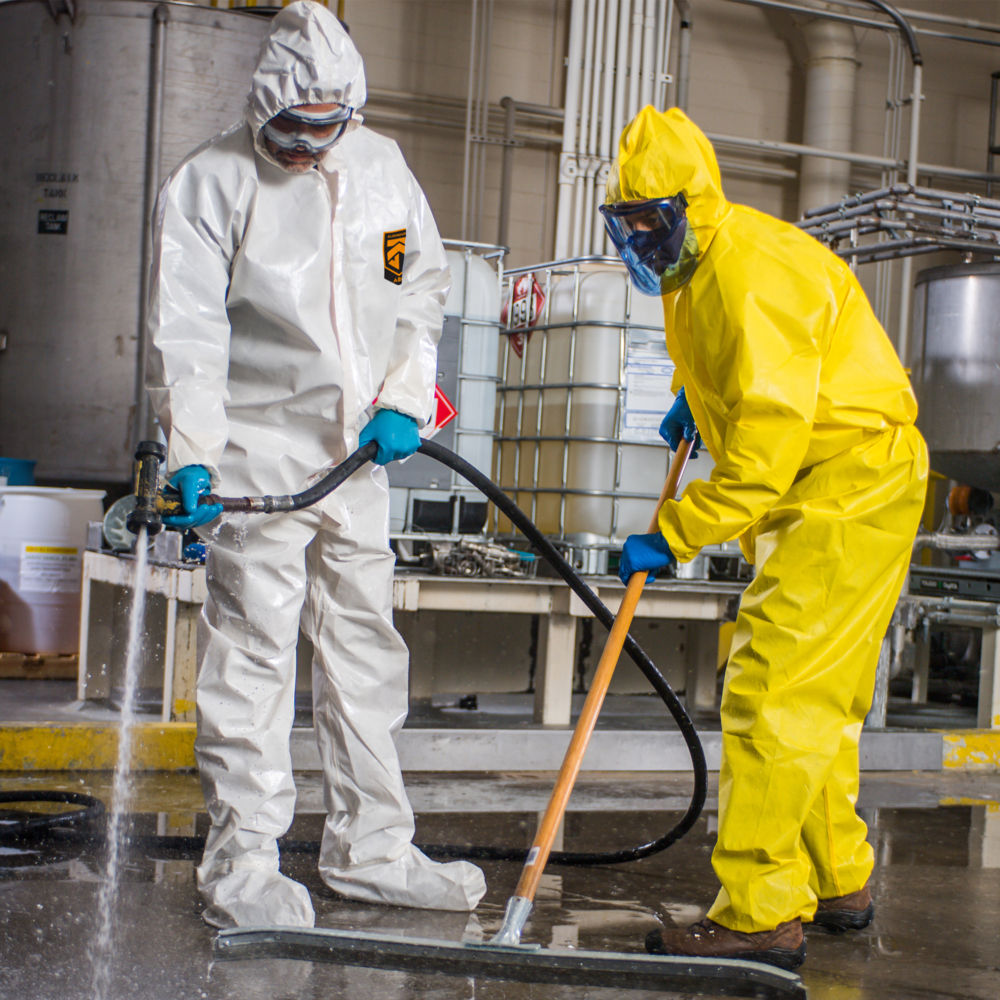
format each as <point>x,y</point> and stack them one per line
<point>507,506</point>
<point>40,823</point>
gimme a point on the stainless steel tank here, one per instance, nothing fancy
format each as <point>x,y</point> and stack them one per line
<point>956,370</point>
<point>104,98</point>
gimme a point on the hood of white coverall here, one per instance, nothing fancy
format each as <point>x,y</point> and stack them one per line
<point>306,57</point>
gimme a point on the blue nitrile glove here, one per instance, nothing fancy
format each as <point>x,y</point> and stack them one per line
<point>679,423</point>
<point>395,433</point>
<point>192,482</point>
<point>644,552</point>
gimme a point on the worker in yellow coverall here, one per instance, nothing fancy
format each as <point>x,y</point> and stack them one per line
<point>819,471</point>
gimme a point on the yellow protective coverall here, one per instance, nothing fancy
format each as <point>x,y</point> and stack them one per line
<point>821,474</point>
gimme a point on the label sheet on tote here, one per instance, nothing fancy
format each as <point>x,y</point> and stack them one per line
<point>648,373</point>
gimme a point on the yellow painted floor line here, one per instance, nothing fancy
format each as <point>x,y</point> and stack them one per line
<point>971,750</point>
<point>81,746</point>
<point>169,746</point>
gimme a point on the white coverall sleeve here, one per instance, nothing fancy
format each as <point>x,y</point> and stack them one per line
<point>412,370</point>
<point>194,240</point>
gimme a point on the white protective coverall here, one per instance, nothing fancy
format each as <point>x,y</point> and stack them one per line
<point>279,312</point>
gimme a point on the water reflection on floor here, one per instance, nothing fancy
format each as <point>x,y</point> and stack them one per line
<point>937,886</point>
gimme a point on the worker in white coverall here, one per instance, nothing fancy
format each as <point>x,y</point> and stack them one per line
<point>298,276</point>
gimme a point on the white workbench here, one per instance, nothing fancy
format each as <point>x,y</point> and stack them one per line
<point>702,604</point>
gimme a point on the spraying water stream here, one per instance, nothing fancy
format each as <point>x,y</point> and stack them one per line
<point>102,951</point>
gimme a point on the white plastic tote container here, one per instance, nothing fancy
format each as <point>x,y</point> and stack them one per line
<point>43,533</point>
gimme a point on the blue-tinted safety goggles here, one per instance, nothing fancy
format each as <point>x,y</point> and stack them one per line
<point>649,236</point>
<point>313,132</point>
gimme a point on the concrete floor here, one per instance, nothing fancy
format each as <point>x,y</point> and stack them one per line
<point>937,885</point>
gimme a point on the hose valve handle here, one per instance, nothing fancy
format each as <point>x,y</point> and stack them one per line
<point>148,457</point>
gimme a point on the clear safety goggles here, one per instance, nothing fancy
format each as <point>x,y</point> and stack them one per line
<point>298,131</point>
<point>649,236</point>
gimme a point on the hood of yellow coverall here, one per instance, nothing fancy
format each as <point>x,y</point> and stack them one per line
<point>662,154</point>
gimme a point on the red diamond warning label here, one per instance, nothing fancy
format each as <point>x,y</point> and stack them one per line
<point>444,409</point>
<point>444,414</point>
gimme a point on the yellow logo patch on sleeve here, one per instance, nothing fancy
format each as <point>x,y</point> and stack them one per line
<point>394,249</point>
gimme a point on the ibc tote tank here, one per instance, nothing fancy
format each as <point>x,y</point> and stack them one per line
<point>73,177</point>
<point>581,410</point>
<point>425,496</point>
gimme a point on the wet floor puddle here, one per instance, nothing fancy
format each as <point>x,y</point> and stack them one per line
<point>936,932</point>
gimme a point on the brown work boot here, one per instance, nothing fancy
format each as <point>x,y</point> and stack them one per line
<point>846,913</point>
<point>784,946</point>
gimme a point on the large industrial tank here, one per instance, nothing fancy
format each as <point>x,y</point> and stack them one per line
<point>956,370</point>
<point>581,408</point>
<point>82,84</point>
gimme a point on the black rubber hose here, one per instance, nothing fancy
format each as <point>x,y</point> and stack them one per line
<point>659,683</point>
<point>597,607</point>
<point>41,823</point>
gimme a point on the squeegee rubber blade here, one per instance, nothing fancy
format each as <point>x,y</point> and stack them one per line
<point>725,977</point>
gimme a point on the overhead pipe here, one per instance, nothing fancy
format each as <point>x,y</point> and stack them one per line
<point>143,428</point>
<point>567,158</point>
<point>684,54</point>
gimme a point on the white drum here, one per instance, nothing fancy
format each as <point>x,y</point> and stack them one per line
<point>43,533</point>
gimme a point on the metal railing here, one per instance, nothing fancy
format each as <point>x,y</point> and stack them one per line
<point>907,221</point>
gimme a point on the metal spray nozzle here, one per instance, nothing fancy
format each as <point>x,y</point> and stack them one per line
<point>148,457</point>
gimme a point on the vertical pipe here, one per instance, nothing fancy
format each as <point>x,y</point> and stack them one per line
<point>906,271</point>
<point>593,135</point>
<point>664,22</point>
<point>142,429</point>
<point>567,159</point>
<point>990,149</point>
<point>581,180</point>
<point>828,117</point>
<point>619,120</point>
<point>648,63</point>
<point>635,60</point>
<point>484,111</point>
<point>468,124</point>
<point>608,91</point>
<point>600,66</point>
<point>507,168</point>
<point>684,54</point>
<point>604,148</point>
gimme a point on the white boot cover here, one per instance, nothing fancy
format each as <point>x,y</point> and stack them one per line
<point>252,897</point>
<point>411,880</point>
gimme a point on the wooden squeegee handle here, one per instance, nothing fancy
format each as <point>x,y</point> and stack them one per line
<point>538,856</point>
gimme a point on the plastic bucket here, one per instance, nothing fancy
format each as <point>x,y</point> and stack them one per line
<point>43,533</point>
<point>17,472</point>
